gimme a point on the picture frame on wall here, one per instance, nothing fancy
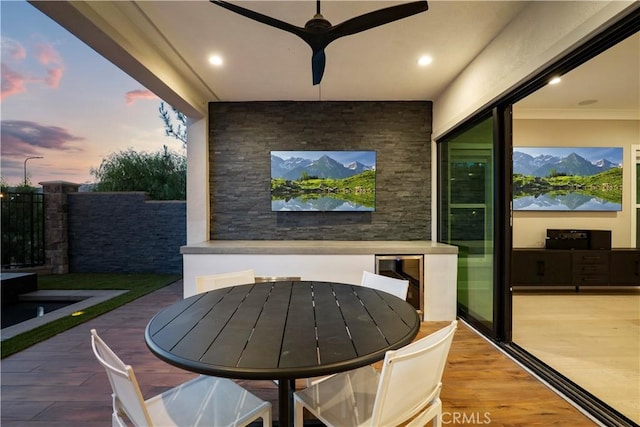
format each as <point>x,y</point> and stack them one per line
<point>567,178</point>
<point>323,181</point>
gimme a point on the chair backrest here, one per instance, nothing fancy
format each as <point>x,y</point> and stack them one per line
<point>217,281</point>
<point>397,287</point>
<point>126,392</point>
<point>411,378</point>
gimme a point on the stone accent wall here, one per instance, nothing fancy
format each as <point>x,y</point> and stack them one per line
<point>56,224</point>
<point>125,233</point>
<point>243,134</point>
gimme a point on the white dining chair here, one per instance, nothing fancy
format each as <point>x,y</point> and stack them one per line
<point>397,287</point>
<point>406,391</point>
<point>216,281</point>
<point>202,401</point>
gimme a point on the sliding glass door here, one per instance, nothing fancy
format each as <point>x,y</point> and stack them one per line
<point>474,195</point>
<point>468,204</point>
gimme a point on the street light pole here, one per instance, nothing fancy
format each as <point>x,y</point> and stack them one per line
<point>25,167</point>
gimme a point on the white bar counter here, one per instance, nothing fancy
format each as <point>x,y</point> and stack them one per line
<point>327,260</point>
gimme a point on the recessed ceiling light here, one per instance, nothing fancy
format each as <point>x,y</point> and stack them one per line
<point>555,80</point>
<point>425,60</point>
<point>215,60</point>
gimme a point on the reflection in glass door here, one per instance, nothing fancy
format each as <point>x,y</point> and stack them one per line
<point>466,218</point>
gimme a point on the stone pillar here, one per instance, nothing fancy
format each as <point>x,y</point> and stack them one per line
<point>56,224</point>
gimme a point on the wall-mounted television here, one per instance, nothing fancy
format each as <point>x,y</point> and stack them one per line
<point>567,178</point>
<point>323,181</point>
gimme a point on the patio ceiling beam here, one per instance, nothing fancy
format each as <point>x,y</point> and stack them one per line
<point>124,35</point>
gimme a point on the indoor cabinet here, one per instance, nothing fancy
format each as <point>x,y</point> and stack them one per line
<point>625,267</point>
<point>590,267</point>
<point>559,267</point>
<point>540,267</point>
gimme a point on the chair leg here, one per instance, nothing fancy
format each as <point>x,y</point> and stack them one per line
<point>116,421</point>
<point>431,416</point>
<point>437,420</point>
<point>266,420</point>
<point>298,416</point>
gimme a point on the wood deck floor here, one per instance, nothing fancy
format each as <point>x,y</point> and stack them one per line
<point>58,383</point>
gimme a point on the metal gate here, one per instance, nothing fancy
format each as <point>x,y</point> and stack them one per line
<point>22,230</point>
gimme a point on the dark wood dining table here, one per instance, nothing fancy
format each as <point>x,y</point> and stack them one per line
<point>281,331</point>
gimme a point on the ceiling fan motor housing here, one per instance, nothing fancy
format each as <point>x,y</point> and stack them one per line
<point>318,23</point>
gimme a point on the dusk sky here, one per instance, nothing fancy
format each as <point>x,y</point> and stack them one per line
<point>63,101</point>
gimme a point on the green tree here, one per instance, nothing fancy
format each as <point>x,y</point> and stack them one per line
<point>179,130</point>
<point>163,174</point>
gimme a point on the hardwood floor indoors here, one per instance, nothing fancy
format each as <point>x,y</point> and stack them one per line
<point>58,383</point>
<point>591,337</point>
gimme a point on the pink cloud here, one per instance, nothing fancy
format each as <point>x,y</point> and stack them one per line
<point>133,95</point>
<point>24,138</point>
<point>13,49</point>
<point>54,75</point>
<point>47,54</point>
<point>12,82</point>
<point>15,82</point>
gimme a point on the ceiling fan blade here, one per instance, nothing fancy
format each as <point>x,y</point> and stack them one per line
<point>321,33</point>
<point>318,61</point>
<point>377,18</point>
<point>273,22</point>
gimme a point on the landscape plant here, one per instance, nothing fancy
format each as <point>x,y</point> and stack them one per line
<point>162,174</point>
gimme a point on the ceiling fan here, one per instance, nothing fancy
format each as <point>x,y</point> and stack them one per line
<point>318,32</point>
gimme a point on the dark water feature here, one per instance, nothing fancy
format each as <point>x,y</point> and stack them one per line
<point>18,312</point>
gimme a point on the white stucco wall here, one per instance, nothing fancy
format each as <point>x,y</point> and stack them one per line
<point>198,180</point>
<point>542,33</point>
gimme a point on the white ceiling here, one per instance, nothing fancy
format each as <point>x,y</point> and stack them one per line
<point>605,87</point>
<point>166,45</point>
<point>264,63</point>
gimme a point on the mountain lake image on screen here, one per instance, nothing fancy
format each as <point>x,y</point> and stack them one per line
<point>323,181</point>
<point>567,178</point>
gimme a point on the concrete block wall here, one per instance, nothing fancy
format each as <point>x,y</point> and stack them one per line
<point>125,233</point>
<point>242,135</point>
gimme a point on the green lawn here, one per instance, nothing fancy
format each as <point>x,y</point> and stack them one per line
<point>137,285</point>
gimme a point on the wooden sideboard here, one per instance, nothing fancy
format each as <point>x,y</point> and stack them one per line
<point>560,267</point>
